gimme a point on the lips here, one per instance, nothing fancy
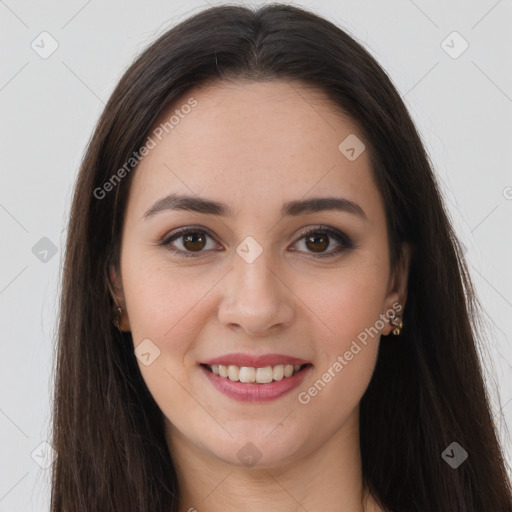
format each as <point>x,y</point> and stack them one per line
<point>256,392</point>
<point>239,359</point>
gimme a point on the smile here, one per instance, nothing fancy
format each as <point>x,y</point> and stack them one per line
<point>250,384</point>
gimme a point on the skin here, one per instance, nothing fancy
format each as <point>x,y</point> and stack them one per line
<point>254,146</point>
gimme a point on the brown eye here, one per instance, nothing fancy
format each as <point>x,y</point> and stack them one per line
<point>194,241</point>
<point>318,240</point>
<point>188,242</point>
<point>317,243</point>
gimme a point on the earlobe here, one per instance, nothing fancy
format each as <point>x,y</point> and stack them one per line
<point>397,295</point>
<point>119,314</point>
<point>402,273</point>
<point>113,285</point>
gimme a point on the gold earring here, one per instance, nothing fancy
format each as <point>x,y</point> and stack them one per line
<point>397,322</point>
<point>117,315</point>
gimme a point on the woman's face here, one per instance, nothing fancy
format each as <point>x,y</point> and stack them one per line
<point>248,280</point>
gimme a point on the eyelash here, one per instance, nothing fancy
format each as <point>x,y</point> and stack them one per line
<point>341,238</point>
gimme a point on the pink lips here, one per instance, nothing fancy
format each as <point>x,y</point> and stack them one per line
<point>255,392</point>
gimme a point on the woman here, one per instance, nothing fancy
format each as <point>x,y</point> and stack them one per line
<point>292,323</point>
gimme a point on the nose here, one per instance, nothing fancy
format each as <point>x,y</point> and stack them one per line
<point>256,298</point>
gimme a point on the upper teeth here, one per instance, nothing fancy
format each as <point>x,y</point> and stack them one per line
<point>250,374</point>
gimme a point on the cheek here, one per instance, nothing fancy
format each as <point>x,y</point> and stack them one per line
<point>347,354</point>
<point>348,332</point>
<point>350,300</point>
<point>163,307</point>
<point>161,300</point>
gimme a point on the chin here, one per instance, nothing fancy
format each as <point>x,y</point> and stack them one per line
<point>253,451</point>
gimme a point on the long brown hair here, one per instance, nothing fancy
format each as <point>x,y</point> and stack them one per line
<point>427,390</point>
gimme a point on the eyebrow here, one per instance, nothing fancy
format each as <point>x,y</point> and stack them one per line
<point>290,208</point>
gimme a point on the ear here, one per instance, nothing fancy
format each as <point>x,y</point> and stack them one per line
<point>116,290</point>
<point>397,290</point>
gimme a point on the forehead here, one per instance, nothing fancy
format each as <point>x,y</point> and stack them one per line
<point>253,144</point>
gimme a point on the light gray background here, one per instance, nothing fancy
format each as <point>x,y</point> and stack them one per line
<point>462,107</point>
